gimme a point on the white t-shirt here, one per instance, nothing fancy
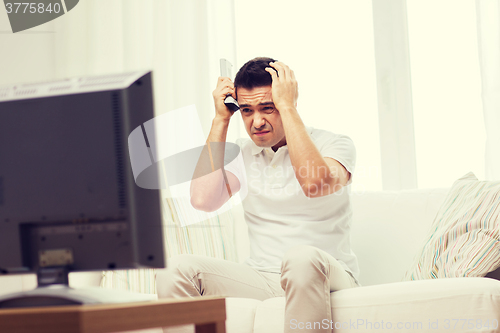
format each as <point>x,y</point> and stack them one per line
<point>279,215</point>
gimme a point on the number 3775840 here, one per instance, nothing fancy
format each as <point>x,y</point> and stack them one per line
<point>32,8</point>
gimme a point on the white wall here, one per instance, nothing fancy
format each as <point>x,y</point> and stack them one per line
<point>26,56</point>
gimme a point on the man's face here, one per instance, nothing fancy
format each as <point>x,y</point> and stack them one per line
<point>262,120</point>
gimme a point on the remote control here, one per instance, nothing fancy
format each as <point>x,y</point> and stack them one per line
<point>225,71</point>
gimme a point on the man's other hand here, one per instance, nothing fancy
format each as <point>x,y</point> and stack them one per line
<point>285,89</point>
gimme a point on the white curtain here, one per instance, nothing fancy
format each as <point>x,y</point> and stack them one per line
<point>395,108</point>
<point>488,22</point>
<point>181,41</point>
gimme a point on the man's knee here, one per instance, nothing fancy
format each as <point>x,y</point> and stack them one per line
<point>301,257</point>
<point>180,269</point>
<point>301,264</point>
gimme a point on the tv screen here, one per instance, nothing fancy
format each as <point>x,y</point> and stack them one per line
<point>67,191</point>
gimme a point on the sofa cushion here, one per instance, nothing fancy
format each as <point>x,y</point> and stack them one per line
<point>388,228</point>
<point>441,305</point>
<point>240,314</point>
<point>212,237</point>
<point>464,239</point>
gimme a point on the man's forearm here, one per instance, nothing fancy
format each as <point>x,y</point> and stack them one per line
<point>208,187</point>
<point>311,169</point>
<point>218,132</point>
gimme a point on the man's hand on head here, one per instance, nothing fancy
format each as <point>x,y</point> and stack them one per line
<point>285,89</point>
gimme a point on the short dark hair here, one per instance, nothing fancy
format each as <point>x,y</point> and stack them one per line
<point>253,74</point>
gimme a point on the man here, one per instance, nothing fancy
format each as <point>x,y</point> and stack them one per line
<point>297,209</point>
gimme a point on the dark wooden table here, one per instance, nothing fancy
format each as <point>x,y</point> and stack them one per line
<point>207,314</point>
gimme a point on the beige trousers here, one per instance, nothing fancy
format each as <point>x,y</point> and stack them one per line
<point>308,275</point>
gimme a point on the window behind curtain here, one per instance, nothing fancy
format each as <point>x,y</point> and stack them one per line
<point>447,107</point>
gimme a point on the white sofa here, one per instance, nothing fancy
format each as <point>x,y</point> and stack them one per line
<point>388,229</point>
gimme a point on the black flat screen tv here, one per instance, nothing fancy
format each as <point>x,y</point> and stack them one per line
<point>68,198</point>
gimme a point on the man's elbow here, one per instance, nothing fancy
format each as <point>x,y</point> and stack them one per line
<point>203,204</point>
<point>320,187</point>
